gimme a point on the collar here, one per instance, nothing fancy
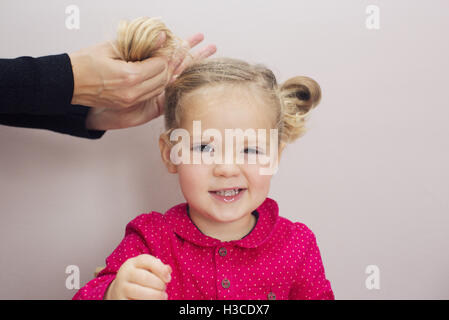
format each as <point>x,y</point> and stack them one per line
<point>268,214</point>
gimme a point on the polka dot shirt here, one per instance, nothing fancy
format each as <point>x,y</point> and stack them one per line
<point>277,260</point>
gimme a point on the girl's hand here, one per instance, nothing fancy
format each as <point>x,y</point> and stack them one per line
<point>144,277</point>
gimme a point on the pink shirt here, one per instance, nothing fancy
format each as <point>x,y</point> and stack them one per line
<point>278,259</point>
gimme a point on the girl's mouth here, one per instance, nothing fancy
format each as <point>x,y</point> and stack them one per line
<point>228,195</point>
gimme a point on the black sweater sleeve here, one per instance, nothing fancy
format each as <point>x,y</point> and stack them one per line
<point>36,93</point>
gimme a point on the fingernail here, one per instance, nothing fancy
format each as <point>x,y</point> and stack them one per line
<point>165,296</point>
<point>168,278</point>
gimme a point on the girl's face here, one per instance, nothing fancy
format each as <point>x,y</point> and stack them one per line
<point>223,107</point>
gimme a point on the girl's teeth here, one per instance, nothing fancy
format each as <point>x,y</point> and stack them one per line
<point>227,193</point>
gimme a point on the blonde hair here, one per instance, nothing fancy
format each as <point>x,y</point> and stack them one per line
<point>292,101</point>
<point>137,40</point>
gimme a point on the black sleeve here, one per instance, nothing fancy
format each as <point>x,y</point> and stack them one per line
<point>36,93</point>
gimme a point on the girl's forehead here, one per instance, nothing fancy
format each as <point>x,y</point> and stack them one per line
<point>227,106</point>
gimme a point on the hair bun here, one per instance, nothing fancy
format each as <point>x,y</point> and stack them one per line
<point>299,95</point>
<point>303,94</point>
<point>138,40</point>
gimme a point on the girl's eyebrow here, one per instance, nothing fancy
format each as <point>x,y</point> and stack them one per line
<point>246,140</point>
<point>201,141</point>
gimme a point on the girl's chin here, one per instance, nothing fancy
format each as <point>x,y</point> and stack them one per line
<point>220,215</point>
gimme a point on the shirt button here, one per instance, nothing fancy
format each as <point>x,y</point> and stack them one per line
<point>271,296</point>
<point>225,283</point>
<point>222,252</point>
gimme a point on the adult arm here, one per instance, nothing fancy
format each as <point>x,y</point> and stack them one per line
<point>37,93</point>
<point>54,92</point>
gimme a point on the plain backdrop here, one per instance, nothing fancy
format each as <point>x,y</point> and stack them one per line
<point>370,177</point>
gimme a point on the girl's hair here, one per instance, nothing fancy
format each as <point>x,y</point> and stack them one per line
<point>292,101</point>
<point>137,40</point>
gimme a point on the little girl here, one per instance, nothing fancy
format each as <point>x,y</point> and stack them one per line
<point>227,241</point>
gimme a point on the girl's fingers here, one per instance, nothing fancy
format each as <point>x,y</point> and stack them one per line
<point>154,265</point>
<point>135,292</point>
<point>147,279</point>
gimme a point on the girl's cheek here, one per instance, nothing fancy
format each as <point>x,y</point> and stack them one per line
<point>192,176</point>
<point>263,184</point>
<point>257,181</point>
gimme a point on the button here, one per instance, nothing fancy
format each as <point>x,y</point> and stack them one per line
<point>225,283</point>
<point>271,296</point>
<point>222,252</point>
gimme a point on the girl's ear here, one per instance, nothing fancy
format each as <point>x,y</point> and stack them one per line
<point>165,147</point>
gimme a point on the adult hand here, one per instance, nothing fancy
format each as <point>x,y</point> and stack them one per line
<point>128,94</point>
<point>102,79</point>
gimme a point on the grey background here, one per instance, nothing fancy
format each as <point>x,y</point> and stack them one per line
<point>370,178</point>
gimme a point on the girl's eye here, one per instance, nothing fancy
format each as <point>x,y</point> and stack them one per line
<point>209,148</point>
<point>203,148</point>
<point>251,150</point>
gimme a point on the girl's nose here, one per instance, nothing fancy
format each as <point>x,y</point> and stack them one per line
<point>226,170</point>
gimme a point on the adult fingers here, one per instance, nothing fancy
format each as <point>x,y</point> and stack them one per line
<point>150,108</point>
<point>205,52</point>
<point>162,38</point>
<point>180,54</point>
<point>183,52</point>
<point>147,69</point>
<point>145,90</point>
<point>197,56</point>
<point>194,40</point>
